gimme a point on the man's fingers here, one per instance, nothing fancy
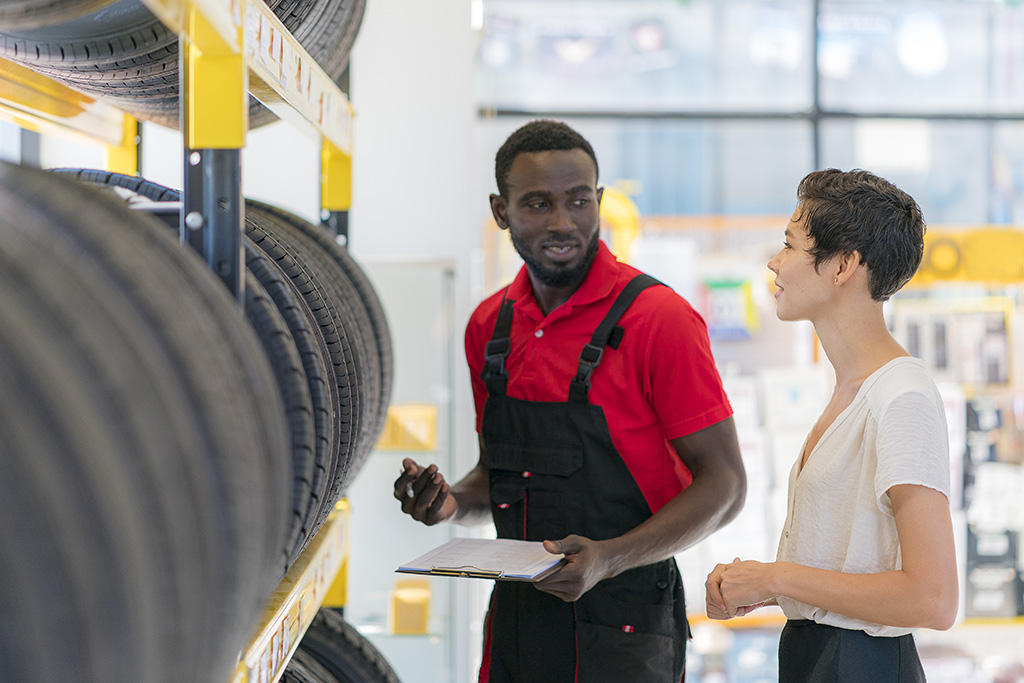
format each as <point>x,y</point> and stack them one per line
<point>403,485</point>
<point>424,480</point>
<point>434,511</point>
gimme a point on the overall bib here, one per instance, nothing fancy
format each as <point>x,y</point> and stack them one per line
<point>554,472</point>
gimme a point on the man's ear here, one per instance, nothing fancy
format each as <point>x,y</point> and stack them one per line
<point>498,211</point>
<point>600,194</point>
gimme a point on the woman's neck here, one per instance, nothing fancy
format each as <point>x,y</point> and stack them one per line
<point>857,342</point>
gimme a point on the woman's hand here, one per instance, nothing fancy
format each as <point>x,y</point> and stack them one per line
<point>745,583</point>
<point>736,589</point>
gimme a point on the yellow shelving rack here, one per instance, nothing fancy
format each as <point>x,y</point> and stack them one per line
<point>230,49</point>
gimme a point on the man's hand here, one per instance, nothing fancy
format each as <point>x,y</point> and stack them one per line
<point>586,565</point>
<point>424,494</point>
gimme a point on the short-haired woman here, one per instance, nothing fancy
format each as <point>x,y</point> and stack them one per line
<point>866,554</point>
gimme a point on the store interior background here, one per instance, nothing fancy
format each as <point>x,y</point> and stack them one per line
<point>705,115</point>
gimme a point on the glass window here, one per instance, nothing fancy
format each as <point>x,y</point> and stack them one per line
<point>952,56</point>
<point>646,56</point>
<point>704,166</point>
<point>961,172</point>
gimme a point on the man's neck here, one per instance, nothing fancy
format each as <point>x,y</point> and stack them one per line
<point>549,298</point>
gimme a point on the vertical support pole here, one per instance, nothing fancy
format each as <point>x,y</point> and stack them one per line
<point>335,189</point>
<point>212,212</point>
<point>124,158</point>
<point>214,115</point>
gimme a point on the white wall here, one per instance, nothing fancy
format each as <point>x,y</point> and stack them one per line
<point>417,191</point>
<point>416,187</point>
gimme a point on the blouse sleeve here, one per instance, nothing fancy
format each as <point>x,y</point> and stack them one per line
<point>912,446</point>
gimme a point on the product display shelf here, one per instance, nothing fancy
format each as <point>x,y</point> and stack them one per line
<point>231,48</point>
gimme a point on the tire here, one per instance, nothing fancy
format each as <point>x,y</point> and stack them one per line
<point>283,353</point>
<point>329,309</point>
<point>344,652</point>
<point>142,439</point>
<point>239,407</point>
<point>321,386</point>
<point>135,184</point>
<point>313,470</point>
<point>354,318</point>
<point>303,668</point>
<point>337,335</point>
<point>366,294</point>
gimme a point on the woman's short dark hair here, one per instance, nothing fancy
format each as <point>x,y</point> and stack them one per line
<point>541,135</point>
<point>859,211</point>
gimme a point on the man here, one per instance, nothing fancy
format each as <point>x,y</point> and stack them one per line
<point>604,432</point>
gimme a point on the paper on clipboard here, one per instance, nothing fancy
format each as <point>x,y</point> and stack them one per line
<point>501,559</point>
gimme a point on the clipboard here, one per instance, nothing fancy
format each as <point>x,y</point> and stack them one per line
<point>498,559</point>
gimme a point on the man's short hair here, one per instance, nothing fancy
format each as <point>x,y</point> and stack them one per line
<point>541,135</point>
<point>859,211</point>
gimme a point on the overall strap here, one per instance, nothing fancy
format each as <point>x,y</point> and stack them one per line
<point>497,350</point>
<point>590,356</point>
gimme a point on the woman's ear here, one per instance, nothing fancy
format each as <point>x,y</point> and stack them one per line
<point>845,266</point>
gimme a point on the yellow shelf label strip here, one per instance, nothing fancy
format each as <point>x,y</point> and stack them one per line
<point>295,602</point>
<point>282,72</point>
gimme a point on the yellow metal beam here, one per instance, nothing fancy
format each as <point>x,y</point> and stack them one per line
<point>38,103</point>
<point>124,158</point>
<point>335,178</point>
<point>337,594</point>
<point>411,427</point>
<point>216,100</point>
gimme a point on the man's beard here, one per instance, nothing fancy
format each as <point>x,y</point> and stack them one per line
<point>558,276</point>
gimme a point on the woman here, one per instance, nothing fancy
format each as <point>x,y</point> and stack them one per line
<point>866,555</point>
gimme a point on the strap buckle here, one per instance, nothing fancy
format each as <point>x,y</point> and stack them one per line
<point>591,354</point>
<point>497,347</point>
<point>590,358</point>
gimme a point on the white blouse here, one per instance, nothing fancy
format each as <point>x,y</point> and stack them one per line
<point>839,515</point>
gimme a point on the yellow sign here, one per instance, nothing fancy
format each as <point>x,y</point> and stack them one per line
<point>985,254</point>
<point>409,428</point>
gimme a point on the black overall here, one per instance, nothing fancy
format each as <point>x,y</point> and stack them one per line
<point>554,472</point>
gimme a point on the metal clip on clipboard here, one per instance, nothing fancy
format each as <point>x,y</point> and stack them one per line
<point>468,571</point>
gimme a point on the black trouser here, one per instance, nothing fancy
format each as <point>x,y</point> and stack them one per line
<point>815,653</point>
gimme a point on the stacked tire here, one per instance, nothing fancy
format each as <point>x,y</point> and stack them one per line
<point>144,455</point>
<point>324,328</point>
<point>332,651</point>
<point>165,455</point>
<point>119,52</point>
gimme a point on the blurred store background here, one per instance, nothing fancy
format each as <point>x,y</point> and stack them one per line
<point>705,114</point>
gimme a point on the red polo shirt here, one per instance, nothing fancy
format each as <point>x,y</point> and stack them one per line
<point>659,384</point>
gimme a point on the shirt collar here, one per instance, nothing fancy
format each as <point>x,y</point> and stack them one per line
<point>598,283</point>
